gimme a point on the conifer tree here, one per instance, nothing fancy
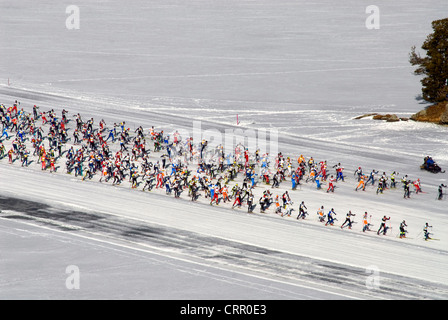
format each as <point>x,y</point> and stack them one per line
<point>434,66</point>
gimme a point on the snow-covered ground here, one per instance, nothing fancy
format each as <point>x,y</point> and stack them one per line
<point>304,69</point>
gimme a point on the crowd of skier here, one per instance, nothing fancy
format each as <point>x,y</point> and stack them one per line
<point>179,165</point>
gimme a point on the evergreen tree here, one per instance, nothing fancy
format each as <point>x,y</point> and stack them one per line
<point>434,66</point>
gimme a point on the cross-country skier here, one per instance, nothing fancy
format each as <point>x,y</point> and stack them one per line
<point>372,177</point>
<point>359,173</point>
<point>392,180</point>
<point>404,179</point>
<point>35,113</point>
<point>330,218</point>
<point>365,223</point>
<point>331,184</point>
<point>312,175</point>
<point>278,207</point>
<point>214,195</point>
<point>381,184</point>
<point>104,173</point>
<point>348,220</point>
<point>237,201</point>
<point>203,146</point>
<point>5,133</point>
<point>294,181</point>
<point>302,212</point>
<point>285,198</point>
<point>250,203</point>
<point>76,137</point>
<point>402,229</point>
<point>417,185</point>
<point>383,227</point>
<point>134,179</point>
<point>25,160</point>
<point>117,177</point>
<point>112,134</point>
<point>265,202</point>
<point>318,181</point>
<point>149,182</point>
<point>406,187</point>
<point>275,180</point>
<point>2,150</point>
<point>225,194</point>
<point>339,172</point>
<point>426,231</point>
<point>320,214</point>
<point>167,185</point>
<point>440,196</point>
<point>160,177</point>
<point>287,209</point>
<point>361,183</point>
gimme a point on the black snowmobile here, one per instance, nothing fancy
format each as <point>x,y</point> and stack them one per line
<point>430,165</point>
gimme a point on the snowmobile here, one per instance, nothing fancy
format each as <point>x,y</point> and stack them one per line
<point>430,165</point>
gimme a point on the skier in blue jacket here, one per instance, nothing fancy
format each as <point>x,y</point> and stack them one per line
<point>330,217</point>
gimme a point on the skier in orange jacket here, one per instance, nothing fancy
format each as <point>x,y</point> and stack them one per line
<point>361,183</point>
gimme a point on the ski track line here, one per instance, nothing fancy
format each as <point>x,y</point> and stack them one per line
<point>110,245</point>
<point>217,75</point>
<point>188,56</point>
